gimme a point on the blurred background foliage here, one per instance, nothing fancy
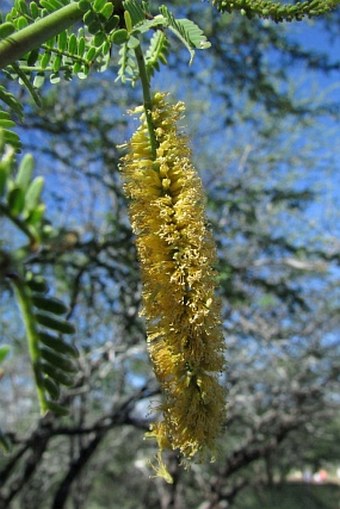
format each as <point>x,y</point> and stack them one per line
<point>262,118</point>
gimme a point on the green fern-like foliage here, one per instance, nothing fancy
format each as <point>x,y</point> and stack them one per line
<point>277,11</point>
<point>21,204</point>
<point>8,99</point>
<point>6,124</point>
<point>137,22</point>
<point>67,53</point>
<point>157,52</point>
<point>186,31</point>
<point>51,356</point>
<point>127,70</point>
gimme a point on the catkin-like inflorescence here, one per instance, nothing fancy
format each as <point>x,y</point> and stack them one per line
<point>176,253</point>
<point>277,10</point>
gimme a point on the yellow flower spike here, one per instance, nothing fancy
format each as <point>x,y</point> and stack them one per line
<point>176,253</point>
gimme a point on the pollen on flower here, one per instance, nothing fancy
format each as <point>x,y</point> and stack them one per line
<point>176,253</point>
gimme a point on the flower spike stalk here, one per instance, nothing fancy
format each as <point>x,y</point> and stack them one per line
<point>176,253</point>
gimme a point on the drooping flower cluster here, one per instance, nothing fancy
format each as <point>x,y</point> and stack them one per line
<point>176,253</point>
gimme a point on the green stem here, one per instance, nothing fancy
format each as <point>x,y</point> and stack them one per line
<point>147,102</point>
<point>25,307</point>
<point>33,36</point>
<point>27,83</point>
